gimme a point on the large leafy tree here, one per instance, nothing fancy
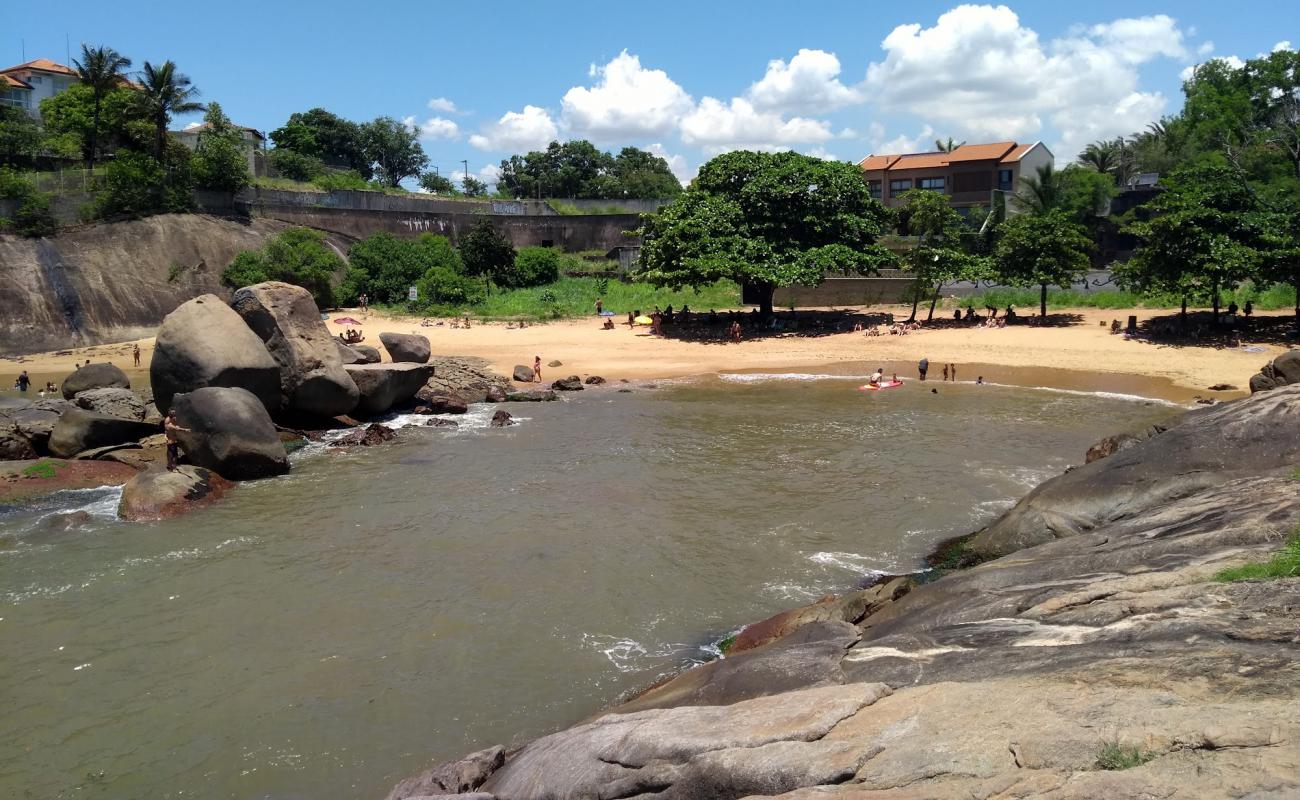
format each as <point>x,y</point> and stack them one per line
<point>1042,250</point>
<point>69,116</point>
<point>434,183</point>
<point>164,94</point>
<point>392,150</point>
<point>766,219</point>
<point>486,253</point>
<point>323,135</point>
<point>299,256</point>
<point>220,158</point>
<point>642,174</point>
<point>1281,259</point>
<point>1207,231</point>
<point>20,137</point>
<point>944,244</point>
<point>578,169</point>
<point>392,265</point>
<point>99,69</point>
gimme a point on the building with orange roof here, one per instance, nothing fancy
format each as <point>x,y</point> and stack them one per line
<point>26,85</point>
<point>969,175</point>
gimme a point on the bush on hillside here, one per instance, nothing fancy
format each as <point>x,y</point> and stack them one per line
<point>295,166</point>
<point>443,286</point>
<point>388,266</point>
<point>135,184</point>
<point>533,266</point>
<point>298,256</point>
<point>33,216</point>
<point>486,253</point>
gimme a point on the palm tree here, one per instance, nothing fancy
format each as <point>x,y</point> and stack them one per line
<point>1101,156</point>
<point>1039,193</point>
<point>100,68</point>
<point>948,146</point>
<point>166,92</point>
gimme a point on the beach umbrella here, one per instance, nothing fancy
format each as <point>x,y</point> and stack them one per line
<point>607,313</point>
<point>643,320</point>
<point>346,321</point>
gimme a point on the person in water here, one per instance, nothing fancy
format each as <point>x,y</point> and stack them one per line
<point>979,381</point>
<point>170,428</point>
<point>923,367</point>
<point>876,377</point>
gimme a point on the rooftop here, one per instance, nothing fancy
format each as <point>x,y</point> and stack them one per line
<point>1002,152</point>
<point>42,65</point>
<point>205,126</point>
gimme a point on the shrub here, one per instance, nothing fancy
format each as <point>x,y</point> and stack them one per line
<point>1285,564</point>
<point>298,256</point>
<point>391,265</point>
<point>486,253</point>
<point>341,180</point>
<point>533,266</point>
<point>1116,756</point>
<point>296,166</point>
<point>135,184</point>
<point>444,286</point>
<point>33,216</point>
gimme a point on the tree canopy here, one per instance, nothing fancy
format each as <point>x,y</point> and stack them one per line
<point>486,253</point>
<point>946,246</point>
<point>766,219</point>
<point>392,150</point>
<point>298,256</point>
<point>578,170</point>
<point>323,135</point>
<point>220,160</point>
<point>1041,250</point>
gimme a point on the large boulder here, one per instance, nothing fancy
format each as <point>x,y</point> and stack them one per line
<point>1281,371</point>
<point>35,421</point>
<point>78,430</point>
<point>94,376</point>
<point>350,355</point>
<point>523,373</point>
<point>229,432</point>
<point>534,396</point>
<point>205,343</point>
<point>122,403</point>
<point>406,347</point>
<point>440,402</point>
<point>456,778</point>
<point>312,378</point>
<point>383,386</point>
<point>370,355</point>
<point>466,377</point>
<point>14,446</point>
<point>570,384</point>
<point>157,493</point>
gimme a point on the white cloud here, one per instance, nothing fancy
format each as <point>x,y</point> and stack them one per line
<point>677,163</point>
<point>444,105</point>
<point>1205,49</point>
<point>809,83</point>
<point>518,131</point>
<point>489,174</point>
<point>718,127</point>
<point>433,128</point>
<point>846,133</point>
<point>191,126</point>
<point>822,153</point>
<point>1233,61</point>
<point>921,143</point>
<point>1282,46</point>
<point>981,74</point>
<point>627,102</point>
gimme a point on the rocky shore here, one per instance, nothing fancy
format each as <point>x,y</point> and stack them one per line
<point>1078,647</point>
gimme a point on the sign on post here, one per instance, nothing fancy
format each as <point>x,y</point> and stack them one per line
<point>413,294</point>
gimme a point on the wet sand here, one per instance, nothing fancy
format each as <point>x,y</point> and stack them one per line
<point>1082,355</point>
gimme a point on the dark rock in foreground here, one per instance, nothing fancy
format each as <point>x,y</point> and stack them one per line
<point>206,343</point>
<point>368,436</point>
<point>115,402</point>
<point>457,777</point>
<point>94,376</point>
<point>78,430</point>
<point>383,386</point>
<point>1281,371</point>
<point>523,374</point>
<point>534,396</point>
<point>501,419</point>
<point>470,379</point>
<point>594,380</point>
<point>439,402</point>
<point>230,433</point>
<point>157,494</point>
<point>406,347</point>
<point>570,384</point>
<point>14,446</point>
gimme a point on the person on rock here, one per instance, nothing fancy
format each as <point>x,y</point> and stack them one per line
<point>170,429</point>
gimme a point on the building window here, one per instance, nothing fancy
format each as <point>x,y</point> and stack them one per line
<point>934,184</point>
<point>874,188</point>
<point>16,98</point>
<point>1004,180</point>
<point>900,185</point>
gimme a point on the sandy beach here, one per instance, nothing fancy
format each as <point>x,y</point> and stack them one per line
<point>1081,355</point>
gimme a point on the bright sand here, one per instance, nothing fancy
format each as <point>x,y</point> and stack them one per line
<point>1082,355</point>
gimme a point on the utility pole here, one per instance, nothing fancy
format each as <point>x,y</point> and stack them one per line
<point>465,163</point>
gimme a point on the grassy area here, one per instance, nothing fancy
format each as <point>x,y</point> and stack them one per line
<point>42,469</point>
<point>1116,756</point>
<point>570,210</point>
<point>576,297</point>
<point>1270,298</point>
<point>1284,564</point>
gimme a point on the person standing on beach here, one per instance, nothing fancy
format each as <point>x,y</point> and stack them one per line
<point>952,369</point>
<point>537,369</point>
<point>600,305</point>
<point>945,373</point>
<point>923,367</point>
<point>24,380</point>
<point>170,428</point>
<point>135,354</point>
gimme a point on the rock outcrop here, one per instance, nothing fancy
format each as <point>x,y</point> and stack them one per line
<point>1106,633</point>
<point>206,343</point>
<point>440,402</point>
<point>78,430</point>
<point>157,493</point>
<point>383,386</point>
<point>523,374</point>
<point>14,446</point>
<point>122,403</point>
<point>35,420</point>
<point>94,376</point>
<point>230,433</point>
<point>406,347</point>
<point>570,384</point>
<point>368,436</point>
<point>312,378</point>
<point>1281,371</point>
<point>468,378</point>
<point>502,419</point>
<point>533,396</point>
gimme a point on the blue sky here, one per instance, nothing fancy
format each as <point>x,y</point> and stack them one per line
<point>687,79</point>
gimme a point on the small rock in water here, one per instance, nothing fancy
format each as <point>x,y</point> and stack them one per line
<point>442,423</point>
<point>72,520</point>
<point>625,391</point>
<point>502,419</point>
<point>570,384</point>
<point>1223,387</point>
<point>368,436</point>
<point>594,380</point>
<point>495,394</point>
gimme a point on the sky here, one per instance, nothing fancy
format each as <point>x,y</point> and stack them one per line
<point>686,80</point>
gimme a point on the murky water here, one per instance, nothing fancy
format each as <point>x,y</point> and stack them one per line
<point>326,633</point>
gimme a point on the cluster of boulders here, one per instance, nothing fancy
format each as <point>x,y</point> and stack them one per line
<point>1281,371</point>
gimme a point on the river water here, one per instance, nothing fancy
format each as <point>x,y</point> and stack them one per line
<point>326,633</point>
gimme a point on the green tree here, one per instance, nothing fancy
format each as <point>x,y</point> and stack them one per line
<point>443,285</point>
<point>1042,250</point>
<point>324,135</point>
<point>392,149</point>
<point>165,93</point>
<point>99,69</point>
<point>393,265</point>
<point>947,146</point>
<point>641,174</point>
<point>298,256</point>
<point>220,158</point>
<point>295,166</point>
<point>135,184</point>
<point>1281,258</point>
<point>943,243</point>
<point>1081,193</point>
<point>486,253</point>
<point>33,216</point>
<point>473,187</point>
<point>20,137</point>
<point>70,114</point>
<point>533,266</point>
<point>766,219</point>
<point>434,183</point>
<point>1207,232</point>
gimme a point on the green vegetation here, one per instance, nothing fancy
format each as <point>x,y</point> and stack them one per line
<point>954,554</point>
<point>485,251</point>
<point>1116,756</point>
<point>220,162</point>
<point>42,469</point>
<point>725,645</point>
<point>1269,298</point>
<point>298,256</point>
<point>578,170</point>
<point>947,248</point>
<point>384,150</point>
<point>136,184</point>
<point>33,216</point>
<point>769,219</point>
<point>1284,564</point>
<point>100,69</point>
<point>1042,249</point>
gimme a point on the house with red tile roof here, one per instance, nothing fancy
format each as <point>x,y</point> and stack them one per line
<point>969,175</point>
<point>26,85</point>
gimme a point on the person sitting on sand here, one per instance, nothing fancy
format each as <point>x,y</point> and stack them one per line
<point>735,331</point>
<point>979,381</point>
<point>685,310</point>
<point>170,429</point>
<point>609,324</point>
<point>466,325</point>
<point>537,369</point>
<point>426,323</point>
<point>50,388</point>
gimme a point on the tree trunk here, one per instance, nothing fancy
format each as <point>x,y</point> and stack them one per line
<point>934,300</point>
<point>1042,301</point>
<point>916,300</point>
<point>1214,299</point>
<point>1297,302</point>
<point>160,137</point>
<point>1182,316</point>
<point>765,299</point>
<point>94,135</point>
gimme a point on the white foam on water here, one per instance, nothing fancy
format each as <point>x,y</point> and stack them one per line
<point>853,562</point>
<point>1130,398</point>
<point>760,377</point>
<point>629,655</point>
